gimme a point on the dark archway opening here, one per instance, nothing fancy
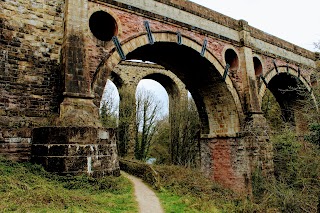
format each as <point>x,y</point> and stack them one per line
<point>285,98</point>
<point>200,77</point>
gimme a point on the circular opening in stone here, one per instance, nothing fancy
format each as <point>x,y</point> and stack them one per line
<point>257,66</point>
<point>102,25</point>
<point>232,59</point>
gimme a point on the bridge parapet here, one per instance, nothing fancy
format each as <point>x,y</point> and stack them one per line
<point>207,21</point>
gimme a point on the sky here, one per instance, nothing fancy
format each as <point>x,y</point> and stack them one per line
<point>295,21</point>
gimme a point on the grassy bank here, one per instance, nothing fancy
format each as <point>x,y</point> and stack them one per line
<point>295,188</point>
<point>28,188</point>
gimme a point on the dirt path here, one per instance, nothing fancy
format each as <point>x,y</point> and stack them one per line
<point>147,199</point>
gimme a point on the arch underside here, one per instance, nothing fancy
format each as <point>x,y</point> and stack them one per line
<point>168,84</point>
<point>217,101</point>
<point>291,91</point>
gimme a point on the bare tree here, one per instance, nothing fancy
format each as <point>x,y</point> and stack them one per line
<point>109,108</point>
<point>147,117</point>
<point>185,131</point>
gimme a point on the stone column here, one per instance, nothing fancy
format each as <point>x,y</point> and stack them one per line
<point>78,145</point>
<point>77,107</point>
<point>255,130</point>
<point>177,100</point>
<point>127,120</point>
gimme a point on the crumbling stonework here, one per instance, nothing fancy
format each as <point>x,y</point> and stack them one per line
<point>76,150</point>
<point>30,41</point>
<point>15,143</point>
<point>54,67</point>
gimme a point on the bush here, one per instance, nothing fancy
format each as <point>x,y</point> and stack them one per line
<point>141,170</point>
<point>297,172</point>
<point>286,156</point>
<point>314,136</point>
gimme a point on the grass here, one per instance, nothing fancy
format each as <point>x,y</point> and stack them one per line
<point>174,203</point>
<point>187,190</point>
<point>296,187</point>
<point>28,188</point>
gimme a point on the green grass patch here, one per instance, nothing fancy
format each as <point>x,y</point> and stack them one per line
<point>174,203</point>
<point>295,188</point>
<point>28,188</point>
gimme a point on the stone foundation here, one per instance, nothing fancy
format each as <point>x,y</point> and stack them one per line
<point>76,150</point>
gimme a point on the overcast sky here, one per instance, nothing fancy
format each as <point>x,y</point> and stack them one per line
<point>295,21</point>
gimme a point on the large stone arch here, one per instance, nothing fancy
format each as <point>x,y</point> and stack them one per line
<point>289,88</point>
<point>217,100</point>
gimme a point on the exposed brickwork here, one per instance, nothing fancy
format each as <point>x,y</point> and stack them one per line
<point>51,66</point>
<point>225,160</point>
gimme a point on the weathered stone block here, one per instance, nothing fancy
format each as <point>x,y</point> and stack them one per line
<point>75,150</point>
<point>39,150</point>
<point>55,164</point>
<point>57,150</point>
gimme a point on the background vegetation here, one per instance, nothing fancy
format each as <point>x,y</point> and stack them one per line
<point>174,140</point>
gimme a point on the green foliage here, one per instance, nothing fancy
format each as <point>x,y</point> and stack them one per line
<point>141,170</point>
<point>161,143</point>
<point>314,135</point>
<point>286,156</point>
<point>108,118</point>
<point>272,111</point>
<point>297,172</point>
<point>172,202</point>
<point>28,188</point>
<point>259,184</point>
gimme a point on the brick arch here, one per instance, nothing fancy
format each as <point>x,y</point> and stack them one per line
<point>116,79</point>
<point>170,84</point>
<point>282,85</point>
<point>221,114</point>
<point>290,71</point>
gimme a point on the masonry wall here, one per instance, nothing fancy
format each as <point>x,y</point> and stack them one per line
<point>30,41</point>
<point>226,161</point>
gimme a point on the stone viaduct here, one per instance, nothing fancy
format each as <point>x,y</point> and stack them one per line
<point>56,57</point>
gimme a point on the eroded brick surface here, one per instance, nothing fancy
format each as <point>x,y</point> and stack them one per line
<point>52,66</point>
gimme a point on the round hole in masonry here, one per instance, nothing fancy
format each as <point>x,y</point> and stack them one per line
<point>257,66</point>
<point>102,25</point>
<point>232,59</point>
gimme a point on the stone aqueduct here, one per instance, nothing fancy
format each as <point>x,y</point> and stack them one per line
<point>56,57</point>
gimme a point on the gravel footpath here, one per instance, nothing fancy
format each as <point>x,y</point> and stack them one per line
<point>147,199</point>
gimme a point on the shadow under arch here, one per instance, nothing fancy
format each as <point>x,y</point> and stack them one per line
<point>290,90</point>
<point>218,103</point>
<point>116,79</point>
